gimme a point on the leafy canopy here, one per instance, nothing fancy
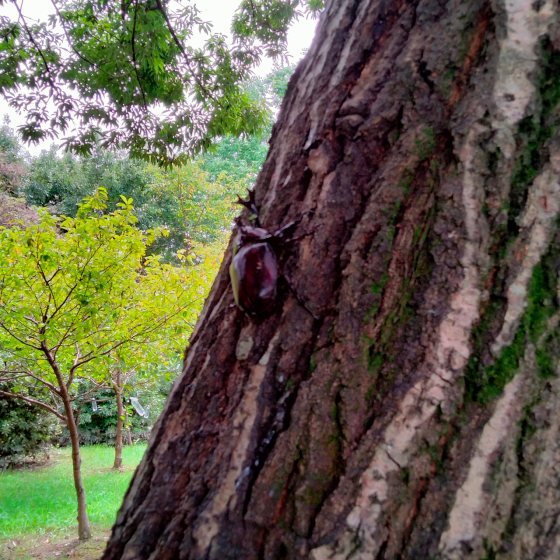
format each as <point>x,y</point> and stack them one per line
<point>128,74</point>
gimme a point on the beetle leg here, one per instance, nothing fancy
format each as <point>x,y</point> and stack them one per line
<point>281,232</point>
<point>298,237</point>
<point>299,299</point>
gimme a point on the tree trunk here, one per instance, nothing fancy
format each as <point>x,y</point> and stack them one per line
<point>117,465</point>
<point>84,530</point>
<point>128,430</point>
<point>402,401</point>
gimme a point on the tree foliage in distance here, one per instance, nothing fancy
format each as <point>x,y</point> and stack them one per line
<point>12,164</point>
<point>196,210</point>
<point>61,182</point>
<point>14,212</point>
<point>194,201</point>
<point>13,171</point>
<point>235,160</point>
<point>126,74</point>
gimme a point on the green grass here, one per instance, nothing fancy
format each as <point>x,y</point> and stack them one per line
<point>40,500</point>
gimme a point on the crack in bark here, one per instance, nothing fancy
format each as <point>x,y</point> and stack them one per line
<point>340,465</point>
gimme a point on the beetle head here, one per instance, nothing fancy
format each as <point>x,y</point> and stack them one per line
<point>247,235</point>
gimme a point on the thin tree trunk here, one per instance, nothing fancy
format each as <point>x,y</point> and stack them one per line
<point>117,465</point>
<point>84,529</point>
<point>128,430</point>
<point>402,400</point>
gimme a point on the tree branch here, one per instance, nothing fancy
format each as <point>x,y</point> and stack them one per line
<point>179,44</point>
<point>32,39</point>
<point>54,366</point>
<point>10,333</point>
<point>134,61</point>
<point>34,402</point>
<point>27,373</point>
<point>45,279</point>
<point>78,53</point>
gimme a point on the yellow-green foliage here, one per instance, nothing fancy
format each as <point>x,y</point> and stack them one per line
<point>81,292</point>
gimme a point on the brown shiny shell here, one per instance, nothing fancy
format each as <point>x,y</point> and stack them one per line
<point>254,278</point>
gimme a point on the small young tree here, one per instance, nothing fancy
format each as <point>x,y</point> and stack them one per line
<point>130,371</point>
<point>132,366</point>
<point>76,290</point>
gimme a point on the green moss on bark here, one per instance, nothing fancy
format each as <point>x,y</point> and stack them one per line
<point>484,383</point>
<point>485,377</point>
<point>534,131</point>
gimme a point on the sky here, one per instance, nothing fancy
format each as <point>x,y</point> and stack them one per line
<point>218,12</point>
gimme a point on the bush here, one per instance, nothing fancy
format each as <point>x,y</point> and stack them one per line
<point>100,426</point>
<point>25,432</point>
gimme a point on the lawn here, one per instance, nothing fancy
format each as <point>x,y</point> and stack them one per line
<point>41,502</point>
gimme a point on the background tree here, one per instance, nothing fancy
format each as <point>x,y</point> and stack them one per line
<point>147,362</point>
<point>98,422</point>
<point>235,160</point>
<point>194,209</point>
<point>61,182</point>
<point>14,211</point>
<point>194,201</point>
<point>12,168</point>
<point>75,290</point>
<point>401,401</point>
<point>137,372</point>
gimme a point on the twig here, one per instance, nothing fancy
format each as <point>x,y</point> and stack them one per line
<point>161,9</point>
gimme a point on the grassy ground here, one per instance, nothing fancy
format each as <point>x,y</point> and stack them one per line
<point>38,506</point>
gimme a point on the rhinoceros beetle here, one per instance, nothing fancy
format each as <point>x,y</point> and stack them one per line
<point>254,269</point>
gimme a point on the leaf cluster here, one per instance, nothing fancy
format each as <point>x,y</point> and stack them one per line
<point>262,25</point>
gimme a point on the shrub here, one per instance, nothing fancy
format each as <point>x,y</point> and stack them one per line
<point>25,433</point>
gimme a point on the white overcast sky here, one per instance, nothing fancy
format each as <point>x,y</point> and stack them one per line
<point>218,12</point>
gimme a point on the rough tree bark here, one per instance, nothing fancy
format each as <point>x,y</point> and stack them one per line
<point>405,403</point>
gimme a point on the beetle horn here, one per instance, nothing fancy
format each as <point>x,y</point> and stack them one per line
<point>250,204</point>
